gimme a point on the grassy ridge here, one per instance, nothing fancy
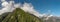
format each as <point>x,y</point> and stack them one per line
<point>19,15</point>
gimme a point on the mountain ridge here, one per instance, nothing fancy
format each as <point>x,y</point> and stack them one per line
<point>18,15</point>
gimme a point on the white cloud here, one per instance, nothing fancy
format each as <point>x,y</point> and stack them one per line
<point>17,5</point>
<point>2,0</point>
<point>28,7</point>
<point>7,7</point>
<point>10,6</point>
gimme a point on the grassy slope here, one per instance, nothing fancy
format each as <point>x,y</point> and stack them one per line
<point>19,15</point>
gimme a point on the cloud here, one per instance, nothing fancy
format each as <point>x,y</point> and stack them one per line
<point>18,5</point>
<point>28,7</point>
<point>7,6</point>
<point>2,0</point>
<point>10,6</point>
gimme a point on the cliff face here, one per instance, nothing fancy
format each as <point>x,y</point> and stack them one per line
<point>18,15</point>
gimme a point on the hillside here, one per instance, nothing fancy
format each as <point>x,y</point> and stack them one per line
<point>18,15</point>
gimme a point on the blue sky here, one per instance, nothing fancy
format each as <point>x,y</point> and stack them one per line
<point>43,6</point>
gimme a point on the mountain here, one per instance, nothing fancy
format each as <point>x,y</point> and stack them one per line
<point>3,16</point>
<point>18,15</point>
<point>50,18</point>
<point>53,19</point>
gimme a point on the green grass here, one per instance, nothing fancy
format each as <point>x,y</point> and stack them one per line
<point>18,15</point>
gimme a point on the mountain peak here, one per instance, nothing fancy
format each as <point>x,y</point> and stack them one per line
<point>18,15</point>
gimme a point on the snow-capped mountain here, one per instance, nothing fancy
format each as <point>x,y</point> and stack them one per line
<point>50,18</point>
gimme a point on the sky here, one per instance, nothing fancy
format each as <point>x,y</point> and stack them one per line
<point>44,6</point>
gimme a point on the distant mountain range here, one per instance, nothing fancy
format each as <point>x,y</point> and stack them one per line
<point>50,18</point>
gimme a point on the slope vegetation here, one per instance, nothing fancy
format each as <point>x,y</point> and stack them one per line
<point>18,15</point>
